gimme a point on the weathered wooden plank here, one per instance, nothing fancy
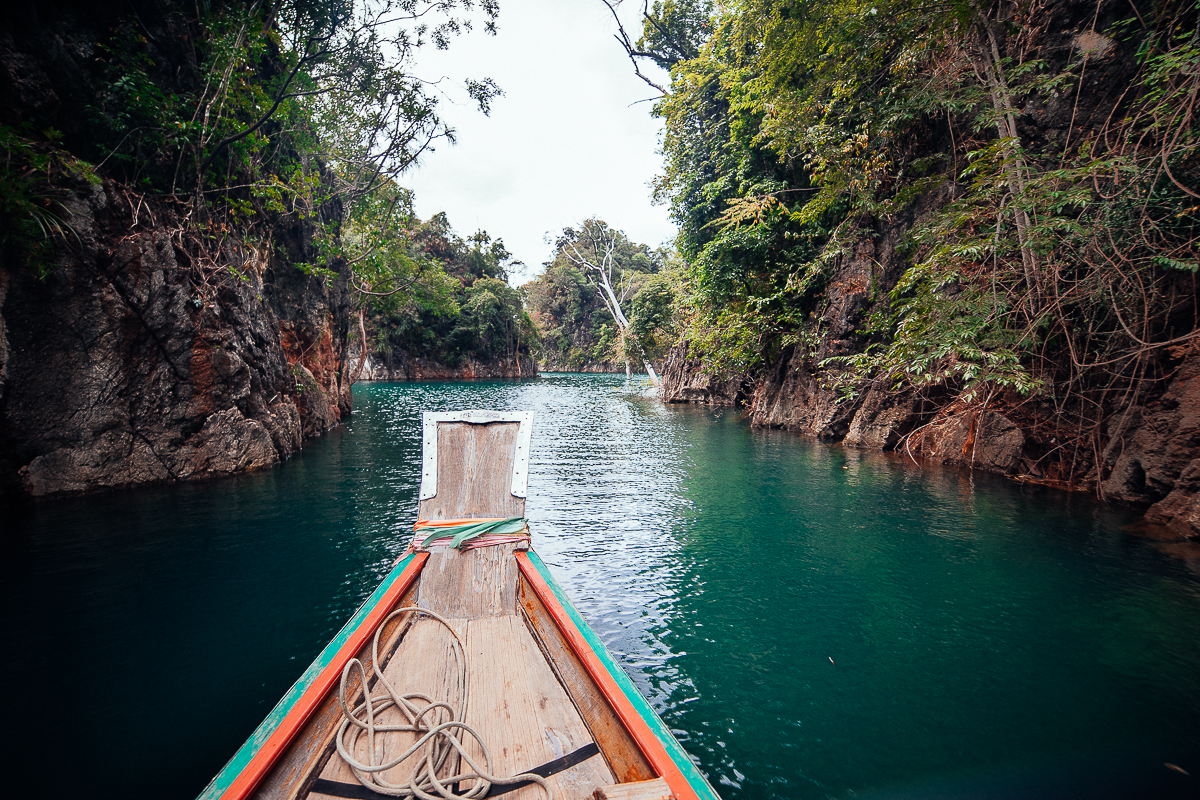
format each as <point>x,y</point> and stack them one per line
<point>470,584</point>
<point>295,770</point>
<point>474,479</point>
<point>517,704</point>
<point>558,719</point>
<point>656,789</point>
<point>424,662</point>
<point>624,757</point>
<point>653,738</point>
<point>518,701</point>
<point>523,712</point>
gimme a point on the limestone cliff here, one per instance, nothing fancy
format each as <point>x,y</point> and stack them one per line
<point>1151,456</point>
<point>399,366</point>
<point>139,344</point>
<point>133,363</point>
<point>1134,440</point>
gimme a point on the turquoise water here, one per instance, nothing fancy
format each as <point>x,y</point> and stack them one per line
<point>812,622</point>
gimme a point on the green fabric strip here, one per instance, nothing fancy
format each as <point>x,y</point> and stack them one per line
<point>468,531</point>
<point>682,760</point>
<point>252,745</point>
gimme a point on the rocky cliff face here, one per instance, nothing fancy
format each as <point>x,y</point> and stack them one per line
<point>402,367</point>
<point>1148,453</point>
<point>687,380</point>
<point>141,346</point>
<point>1152,458</point>
<point>1152,453</point>
<point>596,367</point>
<point>133,363</point>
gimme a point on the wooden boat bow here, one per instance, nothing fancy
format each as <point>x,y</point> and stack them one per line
<point>544,694</point>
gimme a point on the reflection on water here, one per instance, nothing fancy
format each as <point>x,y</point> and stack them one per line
<point>812,622</point>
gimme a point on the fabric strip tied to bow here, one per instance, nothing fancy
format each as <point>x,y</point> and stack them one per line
<point>466,533</point>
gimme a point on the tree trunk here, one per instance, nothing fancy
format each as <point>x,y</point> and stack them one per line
<point>604,287</point>
<point>622,321</point>
<point>991,71</point>
<point>362,354</point>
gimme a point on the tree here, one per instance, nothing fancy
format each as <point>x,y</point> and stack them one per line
<point>1039,255</point>
<point>596,271</point>
<point>443,297</point>
<point>280,111</point>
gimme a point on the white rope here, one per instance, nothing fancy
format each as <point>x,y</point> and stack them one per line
<point>438,725</point>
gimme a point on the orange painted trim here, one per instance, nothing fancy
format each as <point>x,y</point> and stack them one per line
<point>290,725</point>
<point>660,761</point>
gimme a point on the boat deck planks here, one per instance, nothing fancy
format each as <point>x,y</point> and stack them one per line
<point>623,755</point>
<point>517,704</point>
<point>656,789</point>
<point>288,776</point>
<point>522,711</point>
<point>474,473</point>
<point>470,584</point>
<point>538,691</point>
<point>423,663</point>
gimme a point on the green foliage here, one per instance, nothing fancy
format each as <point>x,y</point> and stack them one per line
<point>1054,265</point>
<point>652,311</point>
<point>570,309</point>
<point>491,321</point>
<point>32,215</point>
<point>674,30</point>
<point>253,117</point>
<point>431,294</point>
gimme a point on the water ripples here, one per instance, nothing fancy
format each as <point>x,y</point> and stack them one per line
<point>812,622</point>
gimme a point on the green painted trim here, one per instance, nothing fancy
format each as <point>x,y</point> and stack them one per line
<point>246,753</point>
<point>659,728</point>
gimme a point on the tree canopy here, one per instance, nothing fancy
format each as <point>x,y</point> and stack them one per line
<point>1049,244</point>
<point>252,117</point>
<point>447,299</point>
<point>573,314</point>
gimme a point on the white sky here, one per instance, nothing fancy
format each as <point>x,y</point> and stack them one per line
<point>562,144</point>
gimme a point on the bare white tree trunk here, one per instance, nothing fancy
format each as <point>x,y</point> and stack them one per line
<point>362,343</point>
<point>604,288</point>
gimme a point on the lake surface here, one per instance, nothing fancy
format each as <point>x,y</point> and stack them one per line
<point>813,622</point>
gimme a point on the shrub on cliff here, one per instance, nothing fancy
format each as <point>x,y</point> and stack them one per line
<point>247,118</point>
<point>1021,188</point>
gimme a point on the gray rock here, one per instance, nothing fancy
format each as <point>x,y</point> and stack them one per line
<point>133,362</point>
<point>684,380</point>
<point>980,439</point>
<point>882,419</point>
<point>1150,447</point>
<point>792,397</point>
<point>1179,511</point>
<point>228,443</point>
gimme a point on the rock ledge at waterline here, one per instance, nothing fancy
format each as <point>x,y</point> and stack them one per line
<point>1151,456</point>
<point>118,369</point>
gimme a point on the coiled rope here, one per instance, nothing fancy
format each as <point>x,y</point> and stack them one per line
<point>439,727</point>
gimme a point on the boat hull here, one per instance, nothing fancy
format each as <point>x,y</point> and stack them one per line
<point>285,755</point>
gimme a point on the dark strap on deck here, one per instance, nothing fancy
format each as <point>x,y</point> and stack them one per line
<point>356,791</point>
